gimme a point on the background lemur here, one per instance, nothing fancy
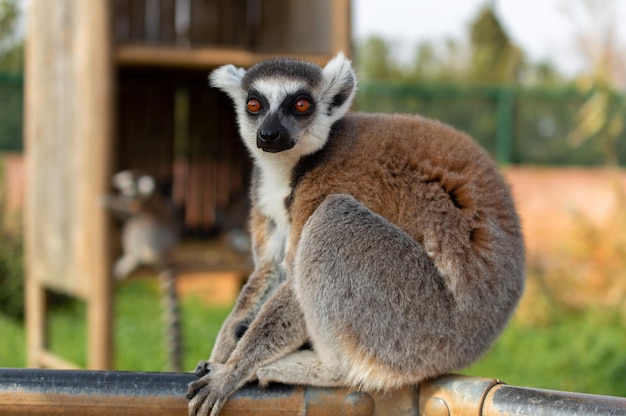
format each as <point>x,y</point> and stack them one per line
<point>389,242</point>
<point>149,234</point>
<point>150,228</point>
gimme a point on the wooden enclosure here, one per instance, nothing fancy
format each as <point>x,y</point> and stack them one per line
<point>122,84</point>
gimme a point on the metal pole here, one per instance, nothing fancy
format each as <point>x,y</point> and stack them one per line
<point>78,392</point>
<point>75,392</point>
<point>505,119</point>
<point>511,400</point>
<point>459,395</point>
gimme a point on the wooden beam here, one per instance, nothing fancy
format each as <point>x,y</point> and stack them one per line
<point>94,145</point>
<point>68,134</point>
<point>341,27</point>
<point>198,58</point>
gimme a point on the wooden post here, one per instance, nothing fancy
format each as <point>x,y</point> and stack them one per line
<point>341,26</point>
<point>68,129</point>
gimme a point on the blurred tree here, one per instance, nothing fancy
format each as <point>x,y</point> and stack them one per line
<point>11,257</point>
<point>11,42</point>
<point>426,63</point>
<point>446,63</point>
<point>375,62</point>
<point>597,42</point>
<point>542,73</point>
<point>601,118</point>
<point>495,59</point>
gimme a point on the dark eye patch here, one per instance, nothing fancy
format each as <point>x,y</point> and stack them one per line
<point>288,104</point>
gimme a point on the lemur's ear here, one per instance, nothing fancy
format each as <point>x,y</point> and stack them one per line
<point>146,185</point>
<point>339,85</point>
<point>228,79</point>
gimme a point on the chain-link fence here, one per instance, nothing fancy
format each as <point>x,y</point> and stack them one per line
<point>520,126</point>
<point>11,112</point>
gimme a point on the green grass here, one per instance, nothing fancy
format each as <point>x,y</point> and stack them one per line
<point>582,351</point>
<point>12,344</point>
<point>139,333</point>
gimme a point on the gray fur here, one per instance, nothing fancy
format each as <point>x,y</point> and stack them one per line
<point>286,69</point>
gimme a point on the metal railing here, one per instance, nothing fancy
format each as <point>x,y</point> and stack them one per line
<point>515,124</point>
<point>80,392</point>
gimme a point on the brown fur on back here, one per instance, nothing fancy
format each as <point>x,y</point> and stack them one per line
<point>429,179</point>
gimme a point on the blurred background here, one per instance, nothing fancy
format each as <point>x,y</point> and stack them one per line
<point>540,84</point>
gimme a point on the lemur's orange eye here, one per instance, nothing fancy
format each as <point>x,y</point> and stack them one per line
<point>254,105</point>
<point>302,105</point>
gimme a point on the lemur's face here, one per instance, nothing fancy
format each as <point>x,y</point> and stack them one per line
<point>286,106</point>
<point>281,105</point>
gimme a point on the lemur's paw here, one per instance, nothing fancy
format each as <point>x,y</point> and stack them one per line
<point>210,391</point>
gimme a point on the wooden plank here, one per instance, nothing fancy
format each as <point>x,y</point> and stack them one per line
<point>35,320</point>
<point>137,21</point>
<point>152,20</point>
<point>233,25</point>
<point>94,130</point>
<point>198,58</point>
<point>34,99</point>
<point>49,360</point>
<point>68,130</point>
<point>121,20</point>
<point>202,20</point>
<point>49,136</point>
<point>341,26</point>
<point>167,33</point>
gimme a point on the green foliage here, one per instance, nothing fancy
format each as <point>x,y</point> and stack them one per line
<point>601,120</point>
<point>11,44</point>
<point>11,66</point>
<point>67,336</point>
<point>12,342</point>
<point>538,134</point>
<point>375,61</point>
<point>11,112</point>
<point>494,57</point>
<point>438,63</point>
<point>573,351</point>
<point>11,275</point>
<point>138,323</point>
<point>9,14</point>
<point>11,261</point>
<point>139,332</point>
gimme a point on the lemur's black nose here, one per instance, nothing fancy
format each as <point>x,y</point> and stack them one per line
<point>273,136</point>
<point>270,135</point>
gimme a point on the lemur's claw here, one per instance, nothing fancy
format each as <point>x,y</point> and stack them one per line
<point>202,369</point>
<point>209,393</point>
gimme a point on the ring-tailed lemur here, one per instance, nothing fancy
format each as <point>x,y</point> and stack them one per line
<point>390,243</point>
<point>149,235</point>
<point>150,230</point>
